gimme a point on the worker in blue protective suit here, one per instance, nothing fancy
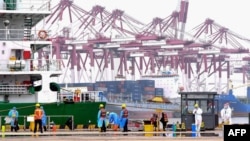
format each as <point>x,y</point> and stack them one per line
<point>124,118</point>
<point>44,119</point>
<point>113,119</point>
<point>13,114</point>
<point>101,118</point>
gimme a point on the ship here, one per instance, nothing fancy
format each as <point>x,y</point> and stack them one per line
<point>143,97</point>
<point>26,78</point>
<point>240,105</point>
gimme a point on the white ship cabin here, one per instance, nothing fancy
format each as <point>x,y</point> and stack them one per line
<point>21,42</point>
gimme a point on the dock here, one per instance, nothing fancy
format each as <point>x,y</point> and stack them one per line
<point>77,135</point>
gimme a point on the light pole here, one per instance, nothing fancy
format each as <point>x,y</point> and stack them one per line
<point>6,24</point>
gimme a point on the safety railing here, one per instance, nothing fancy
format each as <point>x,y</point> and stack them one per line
<point>70,96</point>
<point>27,5</point>
<point>24,35</point>
<point>148,105</point>
<point>26,122</point>
<point>31,65</point>
<point>14,89</point>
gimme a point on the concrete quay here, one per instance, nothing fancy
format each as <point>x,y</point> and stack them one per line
<point>110,136</point>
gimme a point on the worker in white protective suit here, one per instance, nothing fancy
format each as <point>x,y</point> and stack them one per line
<point>226,114</point>
<point>198,116</point>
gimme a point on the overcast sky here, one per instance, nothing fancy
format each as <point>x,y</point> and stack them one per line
<point>233,14</point>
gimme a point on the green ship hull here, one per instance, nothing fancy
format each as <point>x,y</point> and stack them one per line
<point>84,113</point>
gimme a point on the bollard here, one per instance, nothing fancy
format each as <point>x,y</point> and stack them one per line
<point>3,131</point>
<point>54,128</point>
<point>3,128</point>
<point>174,129</point>
<point>193,130</point>
<point>115,127</point>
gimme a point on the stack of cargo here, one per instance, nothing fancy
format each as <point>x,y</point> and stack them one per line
<point>126,86</point>
<point>129,90</point>
<point>136,92</point>
<point>148,88</point>
<point>112,87</point>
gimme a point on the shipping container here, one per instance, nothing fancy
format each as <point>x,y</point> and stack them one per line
<point>147,83</point>
<point>149,89</point>
<point>136,97</point>
<point>148,93</point>
<point>148,96</point>
<point>159,92</point>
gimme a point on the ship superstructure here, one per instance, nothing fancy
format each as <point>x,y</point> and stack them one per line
<point>20,42</point>
<point>168,81</point>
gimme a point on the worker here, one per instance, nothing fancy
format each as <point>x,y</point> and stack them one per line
<point>113,119</point>
<point>13,114</point>
<point>198,116</point>
<point>164,120</point>
<point>44,119</point>
<point>210,107</point>
<point>38,114</point>
<point>154,121</point>
<point>185,110</point>
<point>124,118</point>
<point>101,118</point>
<point>226,114</point>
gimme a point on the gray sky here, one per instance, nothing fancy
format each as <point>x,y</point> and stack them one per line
<point>233,14</point>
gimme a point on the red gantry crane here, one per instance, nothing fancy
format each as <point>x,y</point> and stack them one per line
<point>103,45</point>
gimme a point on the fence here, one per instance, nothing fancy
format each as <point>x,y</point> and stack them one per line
<point>25,122</point>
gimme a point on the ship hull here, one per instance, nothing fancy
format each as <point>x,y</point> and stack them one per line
<point>239,108</point>
<point>83,113</point>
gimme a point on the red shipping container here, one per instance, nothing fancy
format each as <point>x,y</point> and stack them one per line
<point>26,55</point>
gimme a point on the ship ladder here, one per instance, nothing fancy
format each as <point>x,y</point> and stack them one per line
<point>27,30</point>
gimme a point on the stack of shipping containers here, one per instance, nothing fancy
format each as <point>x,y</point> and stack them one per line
<point>124,90</point>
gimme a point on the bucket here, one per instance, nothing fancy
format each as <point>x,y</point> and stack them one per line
<point>148,128</point>
<point>3,128</point>
<point>174,130</point>
<point>115,127</point>
<point>54,128</point>
<point>193,130</point>
<point>3,131</point>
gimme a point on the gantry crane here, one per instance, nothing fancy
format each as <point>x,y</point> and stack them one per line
<point>106,45</point>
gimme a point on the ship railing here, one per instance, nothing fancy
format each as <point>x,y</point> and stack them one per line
<point>23,34</point>
<point>31,65</point>
<point>26,5</point>
<point>27,121</point>
<point>68,120</point>
<point>14,89</point>
<point>89,96</point>
<point>148,105</point>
